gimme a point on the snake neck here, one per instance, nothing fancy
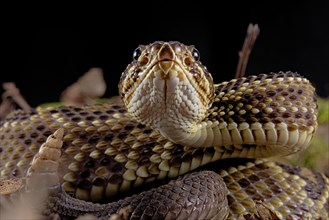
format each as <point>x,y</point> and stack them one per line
<point>274,112</point>
<point>198,135</point>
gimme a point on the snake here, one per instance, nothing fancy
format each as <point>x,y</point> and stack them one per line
<point>210,141</point>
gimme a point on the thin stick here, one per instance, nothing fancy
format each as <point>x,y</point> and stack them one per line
<point>244,53</point>
<point>11,96</point>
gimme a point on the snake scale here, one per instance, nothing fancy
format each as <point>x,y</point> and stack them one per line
<point>174,120</point>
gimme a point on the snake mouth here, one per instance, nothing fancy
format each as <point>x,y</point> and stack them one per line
<point>163,61</point>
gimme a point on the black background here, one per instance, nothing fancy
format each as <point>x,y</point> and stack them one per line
<point>44,52</point>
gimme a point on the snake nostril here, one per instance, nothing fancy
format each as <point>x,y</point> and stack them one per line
<point>144,60</point>
<point>187,61</point>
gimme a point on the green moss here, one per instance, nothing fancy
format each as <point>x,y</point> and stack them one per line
<point>50,104</point>
<point>323,106</point>
<point>57,104</point>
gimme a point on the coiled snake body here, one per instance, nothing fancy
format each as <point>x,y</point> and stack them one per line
<point>174,120</point>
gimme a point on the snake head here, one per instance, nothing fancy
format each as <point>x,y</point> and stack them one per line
<point>167,85</point>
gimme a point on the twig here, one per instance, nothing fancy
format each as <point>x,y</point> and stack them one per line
<point>249,41</point>
<point>10,97</point>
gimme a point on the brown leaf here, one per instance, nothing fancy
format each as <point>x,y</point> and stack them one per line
<point>87,88</point>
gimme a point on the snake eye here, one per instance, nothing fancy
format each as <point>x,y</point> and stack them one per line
<point>137,53</point>
<point>196,54</point>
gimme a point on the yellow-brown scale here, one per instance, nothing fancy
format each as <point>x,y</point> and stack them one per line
<point>105,152</point>
<point>291,192</point>
<point>272,110</point>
